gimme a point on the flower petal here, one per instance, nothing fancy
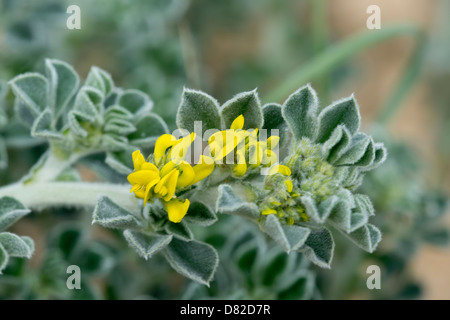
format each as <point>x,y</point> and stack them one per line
<point>176,209</point>
<point>138,159</point>
<point>186,176</point>
<point>162,144</point>
<point>237,123</point>
<point>166,186</point>
<point>266,212</point>
<point>278,168</point>
<point>149,187</point>
<point>240,168</point>
<point>180,149</point>
<point>272,142</point>
<point>142,177</point>
<point>203,169</point>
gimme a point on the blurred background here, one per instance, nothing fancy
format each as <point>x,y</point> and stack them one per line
<point>400,76</point>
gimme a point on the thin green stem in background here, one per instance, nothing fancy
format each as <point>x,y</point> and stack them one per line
<point>320,40</point>
<point>337,54</point>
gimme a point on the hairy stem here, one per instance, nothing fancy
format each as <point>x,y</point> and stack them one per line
<point>39,195</point>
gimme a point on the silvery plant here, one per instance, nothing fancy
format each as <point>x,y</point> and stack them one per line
<point>287,176</point>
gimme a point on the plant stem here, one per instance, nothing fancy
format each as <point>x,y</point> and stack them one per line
<point>335,55</point>
<point>39,195</point>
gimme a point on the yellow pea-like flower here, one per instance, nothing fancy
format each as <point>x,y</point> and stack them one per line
<point>237,123</point>
<point>272,142</point>
<point>240,168</point>
<point>278,168</point>
<point>180,149</point>
<point>203,168</point>
<point>163,143</point>
<point>266,212</point>
<point>138,160</point>
<point>186,176</point>
<point>289,185</point>
<point>176,209</point>
<point>140,180</point>
<point>166,187</point>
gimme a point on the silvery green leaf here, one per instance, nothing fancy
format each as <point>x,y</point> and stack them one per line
<point>229,203</point>
<point>3,155</point>
<point>332,140</point>
<point>246,104</point>
<point>16,246</point>
<point>196,260</point>
<point>147,244</point>
<point>200,214</point>
<point>344,111</point>
<point>339,148</point>
<point>355,150</point>
<point>135,101</point>
<point>110,215</point>
<point>11,211</point>
<point>100,79</point>
<point>179,230</point>
<point>25,114</point>
<point>364,205</point>
<point>63,83</point>
<point>117,111</point>
<point>300,112</point>
<point>89,102</point>
<point>198,106</point>
<point>311,208</point>
<point>354,178</point>
<point>380,157</point>
<point>326,206</point>
<point>31,89</point>
<point>273,119</point>
<point>4,258</point>
<point>74,119</point>
<point>367,237</point>
<point>368,156</point>
<point>341,215</point>
<point>319,247</point>
<point>42,126</point>
<point>290,238</point>
<point>119,126</point>
<point>148,129</point>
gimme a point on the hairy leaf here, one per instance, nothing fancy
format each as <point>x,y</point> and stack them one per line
<point>147,244</point>
<point>195,260</point>
<point>198,106</point>
<point>11,211</point>
<point>110,215</point>
<point>344,111</point>
<point>246,104</point>
<point>15,246</point>
<point>300,112</point>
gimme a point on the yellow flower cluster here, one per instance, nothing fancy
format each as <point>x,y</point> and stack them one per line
<point>249,153</point>
<point>168,173</point>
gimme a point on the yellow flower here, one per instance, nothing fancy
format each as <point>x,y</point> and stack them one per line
<point>176,209</point>
<point>148,182</point>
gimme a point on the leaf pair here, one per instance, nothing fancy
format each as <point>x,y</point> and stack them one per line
<point>12,245</point>
<point>191,258</point>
